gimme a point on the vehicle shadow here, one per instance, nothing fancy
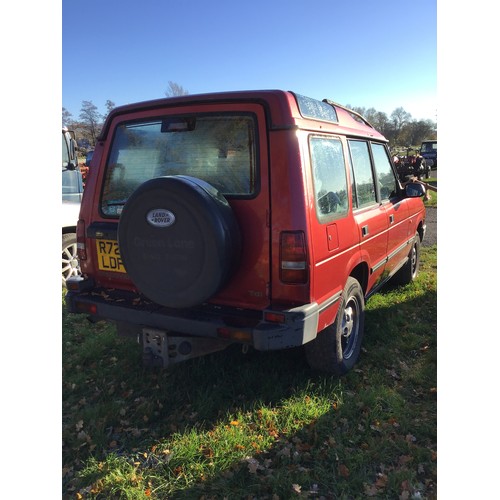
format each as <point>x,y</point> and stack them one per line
<point>376,437</point>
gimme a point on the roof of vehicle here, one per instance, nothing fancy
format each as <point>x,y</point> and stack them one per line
<point>284,107</point>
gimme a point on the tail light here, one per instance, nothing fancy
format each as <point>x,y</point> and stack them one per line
<point>80,240</point>
<point>293,258</point>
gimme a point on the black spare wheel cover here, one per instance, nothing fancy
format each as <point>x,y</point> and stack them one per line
<point>179,240</point>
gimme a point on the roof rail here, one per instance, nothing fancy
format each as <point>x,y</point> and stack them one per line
<point>354,114</point>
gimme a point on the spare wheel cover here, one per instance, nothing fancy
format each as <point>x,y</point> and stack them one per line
<point>179,240</point>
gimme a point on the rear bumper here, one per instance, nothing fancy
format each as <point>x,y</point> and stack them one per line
<point>264,330</point>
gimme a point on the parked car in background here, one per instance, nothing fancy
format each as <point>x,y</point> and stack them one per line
<point>72,191</point>
<point>428,150</point>
<point>88,158</point>
<point>261,218</point>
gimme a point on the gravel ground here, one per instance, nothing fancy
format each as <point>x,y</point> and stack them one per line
<point>430,237</point>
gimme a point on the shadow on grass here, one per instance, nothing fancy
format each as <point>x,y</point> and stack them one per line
<point>376,434</point>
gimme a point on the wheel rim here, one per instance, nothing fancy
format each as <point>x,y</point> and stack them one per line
<point>414,259</point>
<point>70,263</point>
<point>350,327</point>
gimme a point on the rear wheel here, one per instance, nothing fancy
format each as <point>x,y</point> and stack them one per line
<point>336,349</point>
<point>70,263</point>
<point>409,271</point>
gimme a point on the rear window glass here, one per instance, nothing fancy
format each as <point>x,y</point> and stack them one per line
<point>219,149</point>
<point>429,147</point>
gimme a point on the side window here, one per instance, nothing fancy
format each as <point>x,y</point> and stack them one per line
<point>330,182</point>
<point>363,174</point>
<point>385,176</point>
<point>65,152</point>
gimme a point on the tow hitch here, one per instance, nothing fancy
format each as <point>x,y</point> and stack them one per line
<point>160,350</point>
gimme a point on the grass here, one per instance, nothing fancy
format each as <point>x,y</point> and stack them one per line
<point>432,202</point>
<point>260,425</point>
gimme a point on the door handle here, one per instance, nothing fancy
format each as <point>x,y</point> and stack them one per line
<point>391,219</point>
<point>364,231</point>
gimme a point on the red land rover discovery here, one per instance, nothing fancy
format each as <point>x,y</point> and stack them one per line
<point>264,218</point>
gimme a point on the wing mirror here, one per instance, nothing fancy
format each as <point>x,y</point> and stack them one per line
<point>414,190</point>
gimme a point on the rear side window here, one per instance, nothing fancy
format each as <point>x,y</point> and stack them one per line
<point>219,149</point>
<point>330,181</point>
<point>385,176</point>
<point>363,183</point>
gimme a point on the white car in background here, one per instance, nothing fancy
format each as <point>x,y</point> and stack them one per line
<point>72,191</point>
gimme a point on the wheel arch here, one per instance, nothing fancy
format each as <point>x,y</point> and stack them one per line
<point>360,273</point>
<point>420,230</point>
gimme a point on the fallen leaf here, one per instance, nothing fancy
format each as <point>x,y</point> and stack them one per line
<point>253,465</point>
<point>296,488</point>
<point>82,436</point>
<point>381,481</point>
<point>343,471</point>
<point>404,459</point>
<point>371,491</point>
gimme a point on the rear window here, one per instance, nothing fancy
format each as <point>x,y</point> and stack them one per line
<point>219,149</point>
<point>429,147</point>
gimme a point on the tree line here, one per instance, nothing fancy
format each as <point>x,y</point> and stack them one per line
<point>399,128</point>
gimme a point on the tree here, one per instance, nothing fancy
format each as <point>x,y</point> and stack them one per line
<point>66,117</point>
<point>91,118</point>
<point>399,119</point>
<point>174,89</point>
<point>110,105</point>
<point>417,131</point>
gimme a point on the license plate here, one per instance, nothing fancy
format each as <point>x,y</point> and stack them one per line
<point>108,256</point>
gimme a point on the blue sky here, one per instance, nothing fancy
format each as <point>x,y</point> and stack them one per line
<point>362,53</point>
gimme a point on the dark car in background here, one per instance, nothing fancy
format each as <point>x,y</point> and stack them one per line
<point>88,158</point>
<point>428,150</point>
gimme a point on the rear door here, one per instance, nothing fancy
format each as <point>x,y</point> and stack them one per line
<point>222,144</point>
<point>370,216</point>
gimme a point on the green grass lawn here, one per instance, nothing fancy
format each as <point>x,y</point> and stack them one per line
<point>231,425</point>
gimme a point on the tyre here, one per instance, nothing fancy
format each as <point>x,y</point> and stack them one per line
<point>179,240</point>
<point>70,263</point>
<point>409,271</point>
<point>336,348</point>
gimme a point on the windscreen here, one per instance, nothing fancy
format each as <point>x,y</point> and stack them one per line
<point>219,149</point>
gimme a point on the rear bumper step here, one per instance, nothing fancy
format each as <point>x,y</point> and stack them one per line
<point>287,328</point>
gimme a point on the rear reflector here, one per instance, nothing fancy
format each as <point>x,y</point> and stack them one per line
<point>84,307</point>
<point>230,334</point>
<point>80,240</point>
<point>274,317</point>
<point>293,259</point>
